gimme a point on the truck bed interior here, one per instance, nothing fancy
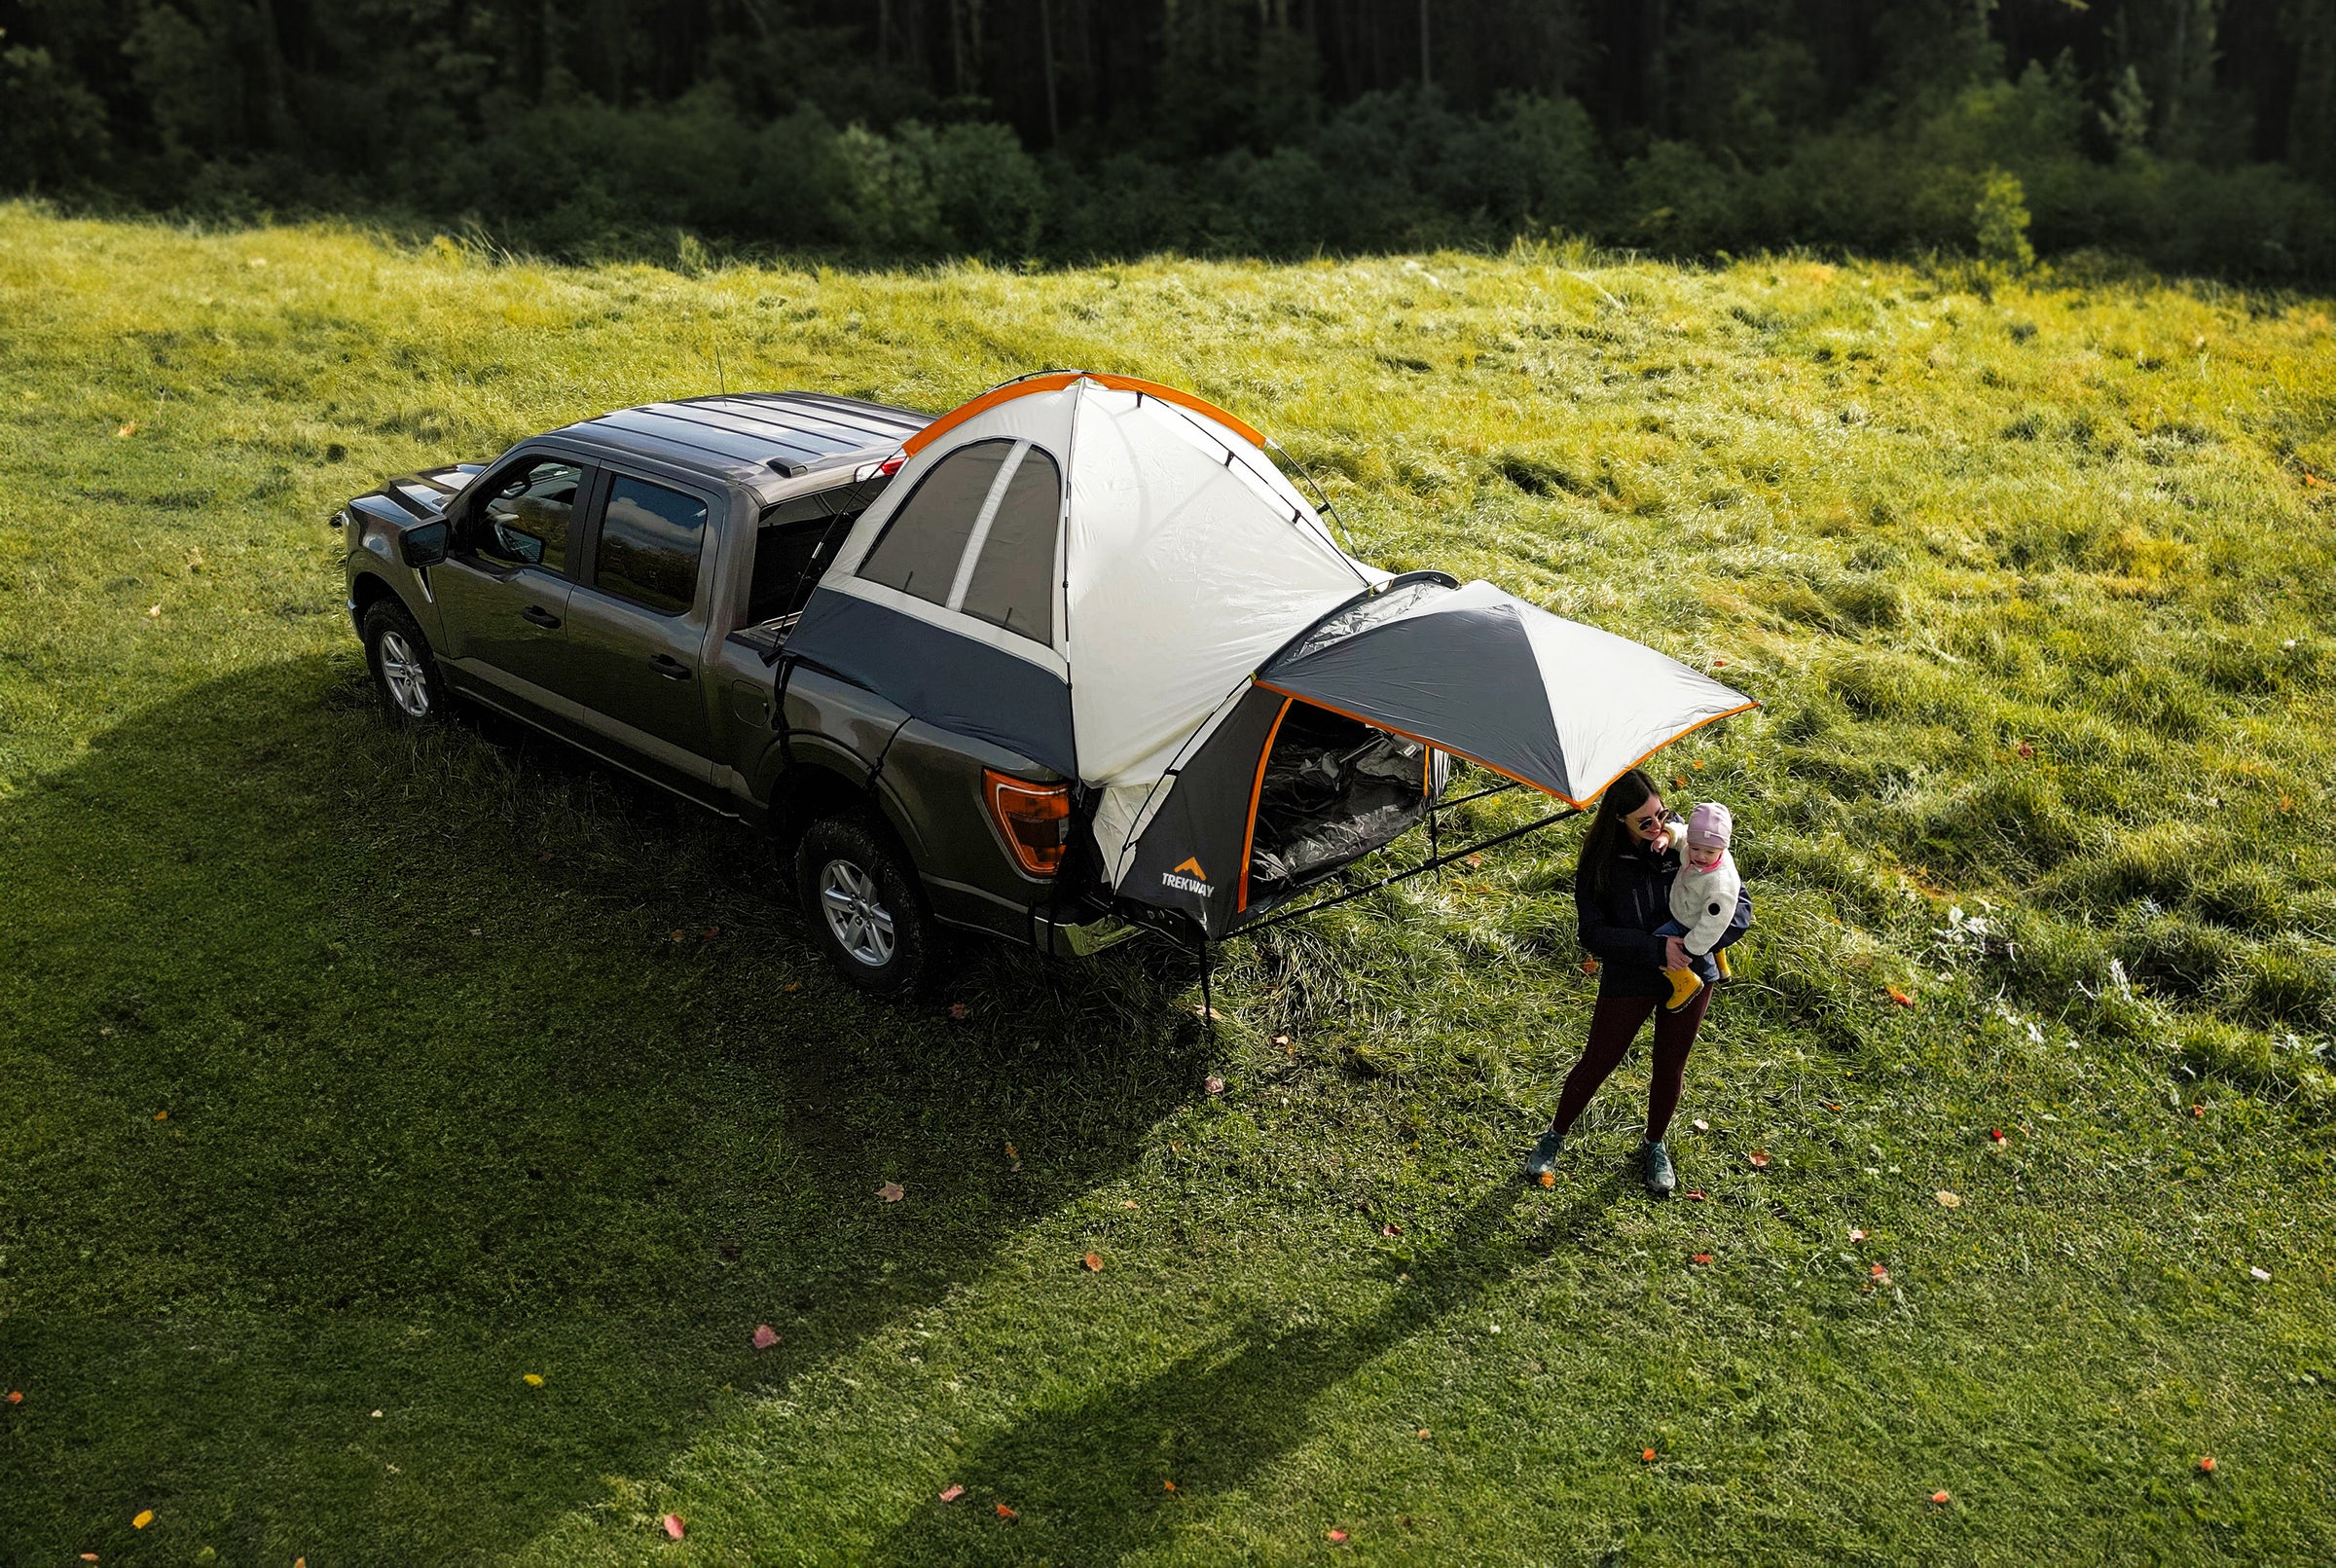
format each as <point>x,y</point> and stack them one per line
<point>1333,790</point>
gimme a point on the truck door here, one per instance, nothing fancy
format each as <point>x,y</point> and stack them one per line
<point>503,588</point>
<point>636,621</point>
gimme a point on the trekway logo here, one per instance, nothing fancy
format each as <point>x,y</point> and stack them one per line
<point>1197,881</point>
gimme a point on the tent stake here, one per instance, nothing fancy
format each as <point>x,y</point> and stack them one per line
<point>1208,1007</point>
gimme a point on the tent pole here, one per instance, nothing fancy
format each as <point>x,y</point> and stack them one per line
<point>1434,848</point>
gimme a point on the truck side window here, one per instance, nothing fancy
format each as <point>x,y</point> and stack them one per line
<point>525,523</point>
<point>650,540</point>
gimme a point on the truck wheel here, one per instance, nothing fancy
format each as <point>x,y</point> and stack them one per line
<point>864,903</point>
<point>404,672</point>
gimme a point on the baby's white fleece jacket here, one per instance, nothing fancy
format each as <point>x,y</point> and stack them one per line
<point>1705,901</point>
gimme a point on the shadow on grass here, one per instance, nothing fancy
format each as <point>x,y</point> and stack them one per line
<point>1085,1480</point>
<point>356,1077</point>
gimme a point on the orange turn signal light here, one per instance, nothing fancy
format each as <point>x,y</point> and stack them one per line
<point>1034,818</point>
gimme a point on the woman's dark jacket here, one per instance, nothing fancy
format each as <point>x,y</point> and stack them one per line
<point>1619,928</point>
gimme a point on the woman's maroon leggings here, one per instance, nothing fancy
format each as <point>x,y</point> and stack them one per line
<point>1611,1028</point>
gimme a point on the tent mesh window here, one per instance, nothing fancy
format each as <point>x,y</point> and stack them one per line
<point>1012,583</point>
<point>978,536</point>
<point>1333,790</point>
<point>921,545</point>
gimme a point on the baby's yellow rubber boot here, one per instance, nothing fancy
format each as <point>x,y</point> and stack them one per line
<point>1719,957</point>
<point>1685,983</point>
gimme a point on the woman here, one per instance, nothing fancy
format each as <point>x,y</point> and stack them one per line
<point>1621,893</point>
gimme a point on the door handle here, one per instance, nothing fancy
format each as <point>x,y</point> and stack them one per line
<point>666,665</point>
<point>540,616</point>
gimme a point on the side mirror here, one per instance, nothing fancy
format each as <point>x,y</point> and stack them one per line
<point>424,546</point>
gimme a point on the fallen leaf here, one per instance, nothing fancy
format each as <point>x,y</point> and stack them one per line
<point>1549,1179</point>
<point>1167,1486</point>
<point>1695,1194</point>
<point>1646,1456</point>
<point>1391,1228</point>
<point>2199,1112</point>
<point>793,985</point>
<point>127,431</point>
<point>161,1116</point>
<point>1473,860</point>
<point>1011,1152</point>
<point>2024,750</point>
<point>952,1492</point>
<point>710,933</point>
<point>145,1517</point>
<point>674,1527</point>
<point>532,1379</point>
<point>1213,1084</point>
<point>1700,1258</point>
<point>1947,1199</point>
<point>2260,1273</point>
<point>1590,965</point>
<point>1701,1125</point>
<point>765,1336</point>
<point>2206,1464</point>
<point>1831,1105</point>
<point>1995,1133</point>
<point>1697,764</point>
<point>88,1556</point>
<point>377,1415</point>
<point>153,611</point>
<point>1881,1274</point>
<point>892,1192</point>
<point>545,858</point>
<point>1209,1014</point>
<point>1939,1496</point>
<point>960,1012</point>
<point>15,1396</point>
<point>1856,1234</point>
<point>1759,1158</point>
<point>1719,664</point>
<point>2286,803</point>
<point>1899,996</point>
<point>680,936</point>
<point>1423,1432</point>
<point>1005,1512</point>
<point>1337,1538</point>
<point>1094,1262</point>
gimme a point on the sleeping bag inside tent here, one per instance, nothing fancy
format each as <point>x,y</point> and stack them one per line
<point>1111,578</point>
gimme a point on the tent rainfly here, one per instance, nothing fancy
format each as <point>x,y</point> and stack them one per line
<point>1109,577</point>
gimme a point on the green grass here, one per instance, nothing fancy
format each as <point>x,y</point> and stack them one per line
<point>2034,581</point>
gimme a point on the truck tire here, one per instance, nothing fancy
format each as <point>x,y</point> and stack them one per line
<point>865,904</point>
<point>405,672</point>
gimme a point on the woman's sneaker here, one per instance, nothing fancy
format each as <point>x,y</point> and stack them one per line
<point>1542,1168</point>
<point>1661,1179</point>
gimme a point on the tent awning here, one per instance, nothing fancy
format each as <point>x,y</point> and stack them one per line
<point>1473,671</point>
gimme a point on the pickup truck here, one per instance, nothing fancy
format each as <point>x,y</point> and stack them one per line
<point>627,584</point>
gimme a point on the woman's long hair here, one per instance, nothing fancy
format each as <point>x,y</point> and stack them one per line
<point>1608,833</point>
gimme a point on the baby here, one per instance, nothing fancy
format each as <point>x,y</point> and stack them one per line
<point>1702,898</point>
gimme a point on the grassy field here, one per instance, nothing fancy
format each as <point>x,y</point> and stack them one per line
<point>402,1139</point>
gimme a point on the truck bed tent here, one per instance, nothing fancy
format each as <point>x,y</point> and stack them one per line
<point>1109,576</point>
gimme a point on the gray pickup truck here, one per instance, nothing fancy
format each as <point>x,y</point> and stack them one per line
<point>627,584</point>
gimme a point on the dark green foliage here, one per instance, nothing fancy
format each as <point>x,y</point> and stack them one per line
<point>2190,133</point>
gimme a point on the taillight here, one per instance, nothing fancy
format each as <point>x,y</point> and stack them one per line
<point>1034,818</point>
<point>891,464</point>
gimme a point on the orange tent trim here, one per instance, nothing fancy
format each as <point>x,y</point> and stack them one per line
<point>1055,382</point>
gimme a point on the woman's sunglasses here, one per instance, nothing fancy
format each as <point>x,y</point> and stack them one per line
<point>1646,824</point>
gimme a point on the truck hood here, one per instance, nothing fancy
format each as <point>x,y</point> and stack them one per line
<point>425,496</point>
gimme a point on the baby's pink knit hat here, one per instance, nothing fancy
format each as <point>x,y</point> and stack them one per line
<point>1709,824</point>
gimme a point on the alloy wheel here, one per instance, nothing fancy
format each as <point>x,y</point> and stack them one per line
<point>402,672</point>
<point>859,920</point>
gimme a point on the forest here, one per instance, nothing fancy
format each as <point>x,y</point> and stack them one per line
<point>2196,136</point>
